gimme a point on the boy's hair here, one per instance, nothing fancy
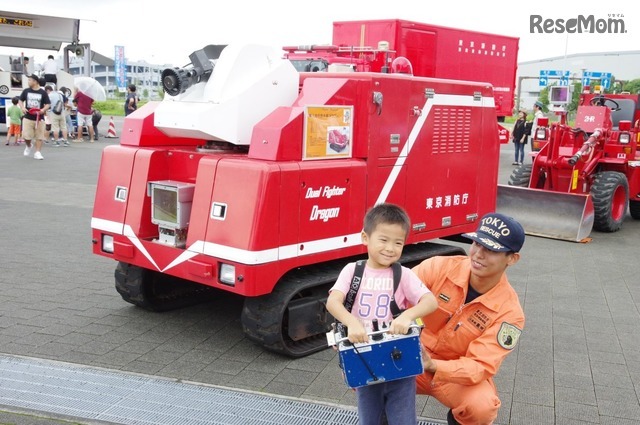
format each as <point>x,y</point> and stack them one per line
<point>132,87</point>
<point>15,100</point>
<point>386,213</point>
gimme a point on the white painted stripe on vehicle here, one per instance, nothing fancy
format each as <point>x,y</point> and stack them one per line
<point>244,256</point>
<point>107,225</point>
<point>128,232</point>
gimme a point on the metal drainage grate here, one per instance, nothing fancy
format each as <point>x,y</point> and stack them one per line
<point>95,394</point>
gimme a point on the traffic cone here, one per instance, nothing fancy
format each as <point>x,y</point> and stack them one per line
<point>112,130</point>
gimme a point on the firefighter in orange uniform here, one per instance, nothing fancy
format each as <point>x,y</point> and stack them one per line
<point>478,321</point>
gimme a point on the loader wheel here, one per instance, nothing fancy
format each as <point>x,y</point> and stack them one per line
<point>521,176</point>
<point>634,209</point>
<point>610,194</point>
<point>155,291</point>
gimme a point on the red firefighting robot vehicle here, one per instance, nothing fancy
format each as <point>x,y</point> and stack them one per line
<point>232,183</point>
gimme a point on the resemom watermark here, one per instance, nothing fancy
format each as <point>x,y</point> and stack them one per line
<point>613,23</point>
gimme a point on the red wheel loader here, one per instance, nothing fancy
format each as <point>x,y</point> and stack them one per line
<point>238,182</point>
<point>582,178</point>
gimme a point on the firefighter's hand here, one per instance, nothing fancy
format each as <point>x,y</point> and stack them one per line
<point>427,362</point>
<point>357,333</point>
<point>400,325</point>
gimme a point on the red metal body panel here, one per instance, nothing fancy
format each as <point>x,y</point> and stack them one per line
<point>138,130</point>
<point>590,118</point>
<point>443,52</point>
<point>431,147</point>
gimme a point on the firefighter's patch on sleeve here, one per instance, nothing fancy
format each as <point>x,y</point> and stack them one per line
<point>508,336</point>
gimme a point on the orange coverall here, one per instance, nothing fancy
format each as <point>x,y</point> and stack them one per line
<point>466,341</point>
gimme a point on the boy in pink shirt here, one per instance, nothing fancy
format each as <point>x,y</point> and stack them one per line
<point>386,227</point>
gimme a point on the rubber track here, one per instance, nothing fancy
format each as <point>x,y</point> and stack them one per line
<point>154,291</point>
<point>263,318</point>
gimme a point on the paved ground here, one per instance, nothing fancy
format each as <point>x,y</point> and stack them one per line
<point>578,361</point>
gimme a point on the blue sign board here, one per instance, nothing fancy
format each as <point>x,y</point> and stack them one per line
<point>604,77</point>
<point>543,80</point>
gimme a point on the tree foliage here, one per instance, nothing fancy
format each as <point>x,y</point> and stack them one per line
<point>632,86</point>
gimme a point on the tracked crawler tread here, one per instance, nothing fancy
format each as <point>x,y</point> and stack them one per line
<point>264,318</point>
<point>155,291</point>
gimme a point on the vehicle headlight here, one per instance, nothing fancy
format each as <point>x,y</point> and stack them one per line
<point>541,133</point>
<point>227,274</point>
<point>624,138</point>
<point>107,243</point>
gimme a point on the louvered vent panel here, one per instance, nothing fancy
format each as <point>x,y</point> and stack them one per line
<point>451,130</point>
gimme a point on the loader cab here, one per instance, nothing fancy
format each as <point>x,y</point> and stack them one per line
<point>626,112</point>
<point>623,106</point>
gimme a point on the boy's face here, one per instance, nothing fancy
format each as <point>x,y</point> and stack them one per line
<point>384,245</point>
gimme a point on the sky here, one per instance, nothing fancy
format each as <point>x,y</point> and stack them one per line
<point>168,32</point>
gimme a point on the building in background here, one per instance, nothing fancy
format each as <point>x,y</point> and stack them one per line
<point>144,75</point>
<point>623,66</point>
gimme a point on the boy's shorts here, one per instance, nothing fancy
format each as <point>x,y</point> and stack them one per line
<point>14,129</point>
<point>29,130</point>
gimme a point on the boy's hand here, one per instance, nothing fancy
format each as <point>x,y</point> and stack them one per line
<point>400,325</point>
<point>357,333</point>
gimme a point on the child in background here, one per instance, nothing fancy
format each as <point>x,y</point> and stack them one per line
<point>14,114</point>
<point>386,227</point>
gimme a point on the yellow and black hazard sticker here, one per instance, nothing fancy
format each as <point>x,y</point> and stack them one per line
<point>508,336</point>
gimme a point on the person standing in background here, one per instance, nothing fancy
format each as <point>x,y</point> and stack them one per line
<point>537,113</point>
<point>131,103</point>
<point>50,69</point>
<point>519,137</point>
<point>57,116</point>
<point>25,66</point>
<point>84,115</point>
<point>34,103</point>
<point>14,119</point>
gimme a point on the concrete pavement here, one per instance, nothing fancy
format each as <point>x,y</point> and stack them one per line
<point>577,362</point>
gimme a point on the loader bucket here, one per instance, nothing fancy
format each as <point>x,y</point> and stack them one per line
<point>556,215</point>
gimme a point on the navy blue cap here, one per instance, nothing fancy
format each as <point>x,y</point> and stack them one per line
<point>498,232</point>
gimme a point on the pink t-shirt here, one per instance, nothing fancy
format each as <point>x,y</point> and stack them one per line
<point>374,294</point>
